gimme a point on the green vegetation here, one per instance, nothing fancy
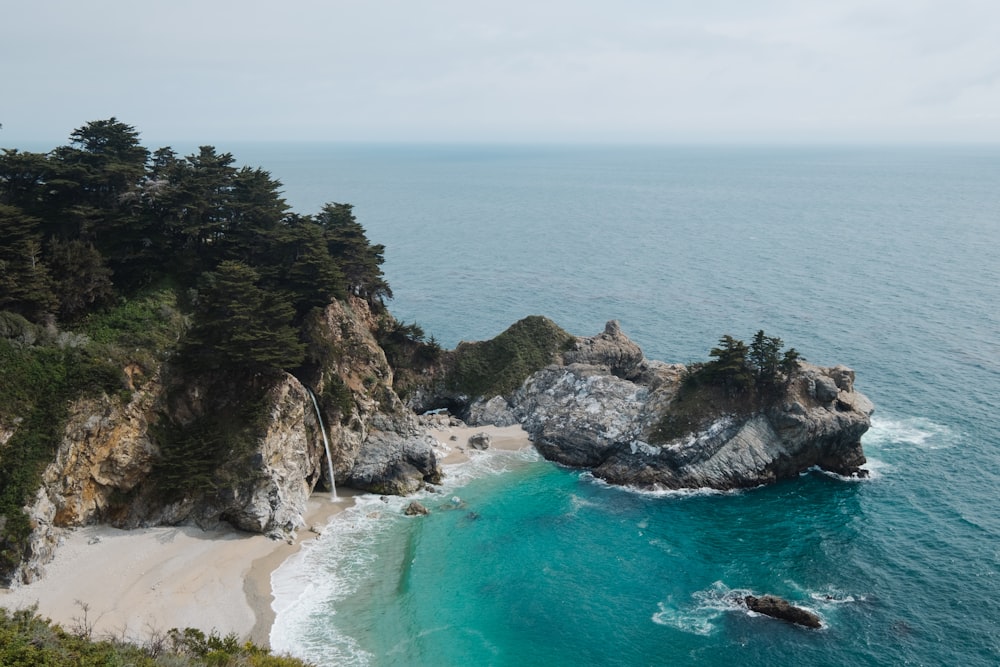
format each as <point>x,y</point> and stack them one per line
<point>739,380</point>
<point>115,257</point>
<point>28,640</point>
<point>39,382</point>
<point>500,365</point>
<point>214,450</point>
<point>408,351</point>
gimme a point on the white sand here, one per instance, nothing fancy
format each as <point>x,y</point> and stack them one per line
<point>455,440</point>
<point>138,582</point>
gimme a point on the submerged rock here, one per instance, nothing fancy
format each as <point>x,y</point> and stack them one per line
<point>416,509</point>
<point>775,607</point>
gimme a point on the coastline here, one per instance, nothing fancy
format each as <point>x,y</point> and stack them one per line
<point>134,584</point>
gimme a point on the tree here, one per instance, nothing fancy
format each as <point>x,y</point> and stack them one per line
<point>25,283</point>
<point>730,365</point>
<point>80,278</point>
<point>765,356</point>
<point>359,260</point>
<point>256,209</point>
<point>298,262</point>
<point>104,161</point>
<point>22,179</point>
<point>240,325</point>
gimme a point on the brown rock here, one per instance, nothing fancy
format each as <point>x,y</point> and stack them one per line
<point>415,509</point>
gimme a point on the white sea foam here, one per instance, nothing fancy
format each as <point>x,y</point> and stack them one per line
<point>658,492</point>
<point>701,614</point>
<point>484,463</point>
<point>707,606</point>
<point>307,586</point>
<point>874,467</point>
<point>330,568</point>
<point>909,431</point>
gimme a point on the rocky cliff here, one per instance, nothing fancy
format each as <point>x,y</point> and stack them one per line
<point>603,405</point>
<point>109,462</point>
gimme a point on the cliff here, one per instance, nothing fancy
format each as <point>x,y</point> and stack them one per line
<point>197,446</point>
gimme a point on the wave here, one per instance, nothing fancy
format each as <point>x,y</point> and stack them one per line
<point>656,492</point>
<point>909,431</point>
<point>874,467</point>
<point>483,463</point>
<point>332,567</point>
<point>307,586</point>
<point>701,615</point>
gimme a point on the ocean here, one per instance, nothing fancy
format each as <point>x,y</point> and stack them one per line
<point>885,259</point>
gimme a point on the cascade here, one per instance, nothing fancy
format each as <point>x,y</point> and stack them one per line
<point>326,444</point>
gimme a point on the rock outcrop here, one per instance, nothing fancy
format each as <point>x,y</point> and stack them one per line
<point>610,349</point>
<point>775,607</point>
<point>601,407</point>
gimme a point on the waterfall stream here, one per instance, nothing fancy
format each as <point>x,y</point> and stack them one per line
<point>326,444</point>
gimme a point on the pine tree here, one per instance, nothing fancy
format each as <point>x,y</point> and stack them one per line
<point>25,283</point>
<point>359,260</point>
<point>240,325</point>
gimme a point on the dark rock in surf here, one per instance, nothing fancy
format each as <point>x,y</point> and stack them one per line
<point>775,607</point>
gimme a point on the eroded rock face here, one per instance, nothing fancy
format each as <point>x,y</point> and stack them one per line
<point>105,452</point>
<point>577,414</point>
<point>101,471</point>
<point>587,416</point>
<point>379,446</point>
<point>610,349</point>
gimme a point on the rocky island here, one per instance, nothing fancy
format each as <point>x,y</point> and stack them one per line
<point>600,404</point>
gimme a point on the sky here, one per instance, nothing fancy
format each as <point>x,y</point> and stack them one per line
<point>628,71</point>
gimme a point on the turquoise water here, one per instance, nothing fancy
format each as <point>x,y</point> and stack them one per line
<point>885,259</point>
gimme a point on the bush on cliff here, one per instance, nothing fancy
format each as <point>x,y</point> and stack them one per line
<point>500,365</point>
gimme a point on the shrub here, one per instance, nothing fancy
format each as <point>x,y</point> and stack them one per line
<point>499,366</point>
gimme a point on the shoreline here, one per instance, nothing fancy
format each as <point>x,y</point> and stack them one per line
<point>134,584</point>
<point>257,583</point>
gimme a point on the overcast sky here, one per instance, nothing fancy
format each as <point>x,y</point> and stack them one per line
<point>513,71</point>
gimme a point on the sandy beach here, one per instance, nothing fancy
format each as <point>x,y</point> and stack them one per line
<point>134,583</point>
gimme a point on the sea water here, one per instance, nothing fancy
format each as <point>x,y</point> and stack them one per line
<point>881,258</point>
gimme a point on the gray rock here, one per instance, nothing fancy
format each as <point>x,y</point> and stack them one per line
<point>576,414</point>
<point>826,389</point>
<point>416,509</point>
<point>584,416</point>
<point>480,440</point>
<point>610,349</point>
<point>494,412</point>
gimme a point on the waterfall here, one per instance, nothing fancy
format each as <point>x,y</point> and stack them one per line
<point>326,444</point>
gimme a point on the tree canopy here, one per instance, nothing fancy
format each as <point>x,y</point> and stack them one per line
<point>103,217</point>
<point>760,368</point>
